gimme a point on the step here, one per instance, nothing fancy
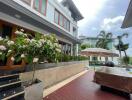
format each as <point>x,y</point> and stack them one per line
<point>9,77</point>
<point>8,82</point>
<point>18,97</point>
<point>10,94</point>
<point>12,85</point>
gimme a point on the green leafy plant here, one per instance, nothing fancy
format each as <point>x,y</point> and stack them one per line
<point>103,40</point>
<point>122,47</point>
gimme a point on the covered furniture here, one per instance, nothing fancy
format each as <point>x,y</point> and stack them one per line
<point>114,77</point>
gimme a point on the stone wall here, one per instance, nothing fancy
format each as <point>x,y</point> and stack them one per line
<point>54,75</point>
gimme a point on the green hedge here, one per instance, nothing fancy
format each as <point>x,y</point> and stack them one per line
<point>67,58</point>
<point>130,61</point>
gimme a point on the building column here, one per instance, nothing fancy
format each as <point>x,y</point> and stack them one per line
<point>71,49</point>
<point>90,58</point>
<point>75,49</point>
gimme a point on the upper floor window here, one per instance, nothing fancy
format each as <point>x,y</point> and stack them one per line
<point>56,17</point>
<point>65,23</point>
<point>61,20</point>
<point>68,25</point>
<point>40,5</point>
<point>37,4</point>
<point>43,6</point>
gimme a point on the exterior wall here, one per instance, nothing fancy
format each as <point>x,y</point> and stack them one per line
<point>51,6</point>
<point>52,76</point>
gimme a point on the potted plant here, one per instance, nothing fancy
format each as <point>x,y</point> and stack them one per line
<point>34,50</point>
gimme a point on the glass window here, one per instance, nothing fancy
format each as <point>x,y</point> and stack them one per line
<point>36,4</point>
<point>65,23</point>
<point>61,20</point>
<point>56,17</point>
<point>43,7</point>
<point>68,25</point>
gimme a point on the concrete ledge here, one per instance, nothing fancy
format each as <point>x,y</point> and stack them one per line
<point>51,76</point>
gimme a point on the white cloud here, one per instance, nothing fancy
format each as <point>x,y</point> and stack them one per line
<point>89,9</point>
<point>113,20</point>
<point>112,23</point>
<point>94,28</point>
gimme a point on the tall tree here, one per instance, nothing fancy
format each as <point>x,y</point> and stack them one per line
<point>103,40</point>
<point>121,46</point>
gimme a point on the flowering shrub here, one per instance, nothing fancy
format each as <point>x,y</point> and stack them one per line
<point>29,48</point>
<point>36,49</point>
<point>5,48</point>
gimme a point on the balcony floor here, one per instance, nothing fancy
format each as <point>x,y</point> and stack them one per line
<point>83,88</point>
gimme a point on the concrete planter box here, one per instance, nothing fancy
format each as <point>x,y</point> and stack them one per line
<point>52,73</point>
<point>35,91</point>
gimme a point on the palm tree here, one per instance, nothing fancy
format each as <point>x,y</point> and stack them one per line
<point>103,40</point>
<point>121,46</point>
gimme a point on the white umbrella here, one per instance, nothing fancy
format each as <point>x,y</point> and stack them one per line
<point>99,52</point>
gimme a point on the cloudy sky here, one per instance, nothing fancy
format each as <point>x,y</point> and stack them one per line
<point>103,15</point>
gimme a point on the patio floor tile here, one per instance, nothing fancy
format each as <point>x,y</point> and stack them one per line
<point>83,88</point>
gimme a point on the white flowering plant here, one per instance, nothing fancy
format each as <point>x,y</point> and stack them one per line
<point>51,48</point>
<point>42,48</point>
<point>31,49</point>
<point>5,48</point>
<point>20,46</point>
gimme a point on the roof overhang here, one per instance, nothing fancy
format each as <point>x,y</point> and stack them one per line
<point>29,20</point>
<point>128,17</point>
<point>73,9</point>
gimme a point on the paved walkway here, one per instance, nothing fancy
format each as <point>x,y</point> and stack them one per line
<point>82,88</point>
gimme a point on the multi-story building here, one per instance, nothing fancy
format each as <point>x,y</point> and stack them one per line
<point>93,40</point>
<point>44,16</point>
